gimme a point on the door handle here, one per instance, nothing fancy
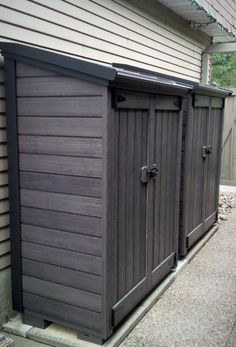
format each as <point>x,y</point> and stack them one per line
<point>206,150</point>
<point>149,172</point>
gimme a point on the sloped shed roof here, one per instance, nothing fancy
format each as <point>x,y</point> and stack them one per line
<point>217,18</point>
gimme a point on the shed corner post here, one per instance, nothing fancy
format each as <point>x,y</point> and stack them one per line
<point>13,174</point>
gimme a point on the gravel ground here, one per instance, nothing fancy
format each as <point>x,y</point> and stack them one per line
<point>199,309</point>
<point>227,201</point>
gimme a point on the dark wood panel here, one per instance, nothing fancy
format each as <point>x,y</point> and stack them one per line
<point>132,100</point>
<point>62,239</point>
<point>72,260</point>
<point>63,294</point>
<point>61,275</point>
<point>131,172</point>
<point>62,202</point>
<point>167,102</point>
<point>63,221</point>
<point>127,303</point>
<point>56,86</point>
<point>58,106</point>
<point>201,101</point>
<point>61,165</point>
<point>71,146</point>
<point>66,313</point>
<point>131,199</point>
<point>60,126</point>
<point>24,70</point>
<point>212,164</point>
<point>122,160</point>
<point>217,102</point>
<point>61,184</point>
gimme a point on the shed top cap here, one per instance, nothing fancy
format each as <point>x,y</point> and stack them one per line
<point>108,73</point>
<point>113,73</point>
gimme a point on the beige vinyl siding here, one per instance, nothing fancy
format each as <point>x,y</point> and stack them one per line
<point>108,31</point>
<point>223,10</point>
<point>4,204</point>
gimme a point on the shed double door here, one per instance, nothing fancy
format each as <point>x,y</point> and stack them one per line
<point>148,149</point>
<point>202,168</point>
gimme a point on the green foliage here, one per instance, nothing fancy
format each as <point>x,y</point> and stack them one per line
<point>224,69</point>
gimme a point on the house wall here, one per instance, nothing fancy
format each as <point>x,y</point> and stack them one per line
<point>5,301</point>
<point>108,31</point>
<point>140,33</point>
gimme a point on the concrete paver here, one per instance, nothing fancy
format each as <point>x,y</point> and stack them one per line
<point>23,342</point>
<point>199,309</point>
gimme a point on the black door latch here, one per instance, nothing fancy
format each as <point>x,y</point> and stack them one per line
<point>206,150</point>
<point>148,172</point>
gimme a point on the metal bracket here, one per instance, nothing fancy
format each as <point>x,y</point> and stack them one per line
<point>148,172</point>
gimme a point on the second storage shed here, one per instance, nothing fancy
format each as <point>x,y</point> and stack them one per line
<point>201,161</point>
<point>94,174</point>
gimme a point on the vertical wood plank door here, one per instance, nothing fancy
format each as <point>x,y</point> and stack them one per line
<point>131,195</point>
<point>148,132</point>
<point>201,169</point>
<point>193,216</point>
<point>163,192</point>
<point>212,166</point>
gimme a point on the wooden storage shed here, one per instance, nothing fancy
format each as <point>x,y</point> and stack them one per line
<point>94,179</point>
<point>201,160</point>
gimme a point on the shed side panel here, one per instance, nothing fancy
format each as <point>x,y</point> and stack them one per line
<point>60,140</point>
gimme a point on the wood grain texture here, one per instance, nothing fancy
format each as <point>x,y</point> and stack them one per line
<point>55,86</point>
<point>61,184</point>
<point>28,70</point>
<point>57,310</point>
<point>64,146</point>
<point>61,275</point>
<point>62,239</point>
<point>84,127</point>
<point>62,221</point>
<point>60,107</point>
<point>63,294</point>
<point>61,202</point>
<point>60,165</point>
<point>72,260</point>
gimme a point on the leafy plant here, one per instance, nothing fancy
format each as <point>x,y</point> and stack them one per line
<point>224,69</point>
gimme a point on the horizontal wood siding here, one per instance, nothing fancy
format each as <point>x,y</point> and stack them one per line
<point>110,31</point>
<point>60,157</point>
<point>4,205</point>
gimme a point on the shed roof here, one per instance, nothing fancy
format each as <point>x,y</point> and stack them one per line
<point>113,74</point>
<point>87,69</point>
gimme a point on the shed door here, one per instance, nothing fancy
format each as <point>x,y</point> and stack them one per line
<point>163,192</point>
<point>197,132</point>
<point>212,163</point>
<point>202,166</point>
<point>147,134</point>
